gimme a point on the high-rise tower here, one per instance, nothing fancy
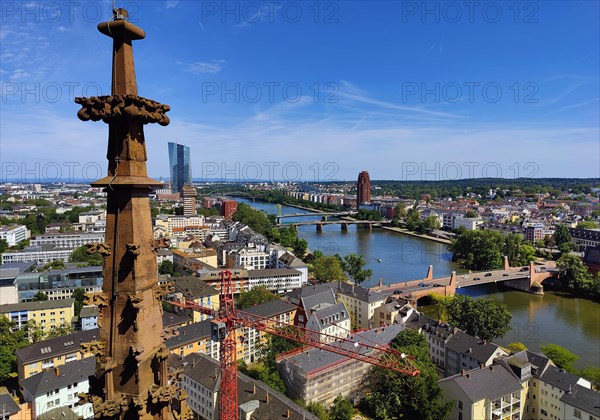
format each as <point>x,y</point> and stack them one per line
<point>132,379</point>
<point>363,189</point>
<point>181,169</point>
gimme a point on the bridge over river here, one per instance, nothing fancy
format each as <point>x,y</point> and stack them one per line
<point>528,279</point>
<point>368,224</point>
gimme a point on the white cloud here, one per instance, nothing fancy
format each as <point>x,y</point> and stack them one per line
<point>199,67</point>
<point>171,4</point>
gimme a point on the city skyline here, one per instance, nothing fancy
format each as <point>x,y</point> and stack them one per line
<point>369,98</point>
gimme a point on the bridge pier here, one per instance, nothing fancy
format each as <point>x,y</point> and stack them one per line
<point>319,227</point>
<point>344,226</point>
<point>324,218</point>
<point>531,284</point>
<point>430,273</point>
<point>366,226</point>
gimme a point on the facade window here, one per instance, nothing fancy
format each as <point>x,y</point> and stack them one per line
<point>576,413</point>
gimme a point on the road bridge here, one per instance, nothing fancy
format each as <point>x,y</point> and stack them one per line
<point>368,224</point>
<point>528,279</point>
<point>324,215</point>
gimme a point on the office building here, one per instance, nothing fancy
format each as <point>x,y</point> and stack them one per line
<point>181,168</point>
<point>189,200</point>
<point>363,189</point>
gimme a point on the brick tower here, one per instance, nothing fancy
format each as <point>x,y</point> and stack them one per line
<point>132,378</point>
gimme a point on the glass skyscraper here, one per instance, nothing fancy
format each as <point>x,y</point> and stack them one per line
<point>181,168</point>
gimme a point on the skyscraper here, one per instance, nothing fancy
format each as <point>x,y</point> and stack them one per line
<point>189,200</point>
<point>181,168</point>
<point>363,189</point>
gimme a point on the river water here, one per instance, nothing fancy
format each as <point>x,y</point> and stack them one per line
<point>557,318</point>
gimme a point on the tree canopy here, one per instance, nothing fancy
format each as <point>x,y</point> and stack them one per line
<point>394,395</point>
<point>561,357</point>
<point>255,296</point>
<point>80,255</point>
<point>12,339</point>
<point>327,268</point>
<point>353,265</point>
<point>479,317</point>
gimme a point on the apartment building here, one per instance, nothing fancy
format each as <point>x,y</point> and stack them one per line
<point>13,234</point>
<point>70,240</point>
<point>194,289</point>
<point>361,303</point>
<point>278,280</point>
<point>279,313</point>
<point>48,314</point>
<point>256,400</point>
<point>53,352</point>
<point>312,374</point>
<point>490,393</point>
<point>463,351</point>
<point>195,338</point>
<point>40,254</point>
<point>88,317</point>
<point>330,320</point>
<point>59,387</point>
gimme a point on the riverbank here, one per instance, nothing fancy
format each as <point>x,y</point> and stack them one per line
<point>418,235</point>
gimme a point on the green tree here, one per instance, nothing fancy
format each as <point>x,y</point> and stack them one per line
<point>300,246</point>
<point>341,409</point>
<point>401,210</point>
<point>587,224</point>
<point>55,265</point>
<point>12,339</point>
<point>80,255</point>
<point>562,235</point>
<point>318,409</point>
<point>60,330</point>
<point>327,268</point>
<point>39,296</point>
<point>574,274</point>
<point>255,296</point>
<point>34,331</point>
<point>470,214</point>
<point>479,317</point>
<point>394,395</point>
<point>3,245</point>
<point>561,357</point>
<point>479,249</point>
<point>440,306</point>
<point>516,347</point>
<point>353,266</point>
<point>79,296</point>
<point>166,267</point>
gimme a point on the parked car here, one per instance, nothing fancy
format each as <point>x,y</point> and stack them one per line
<point>423,284</point>
<point>524,269</point>
<point>397,292</point>
<point>437,285</point>
<point>476,278</point>
<point>488,275</point>
<point>505,275</point>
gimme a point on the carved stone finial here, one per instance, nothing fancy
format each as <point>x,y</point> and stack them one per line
<point>99,248</point>
<point>99,299</point>
<point>122,107</point>
<point>159,243</point>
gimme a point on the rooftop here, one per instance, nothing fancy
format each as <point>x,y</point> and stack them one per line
<point>36,306</point>
<point>584,399</point>
<point>490,382</point>
<point>271,309</point>
<point>65,344</point>
<point>462,342</point>
<point>60,376</point>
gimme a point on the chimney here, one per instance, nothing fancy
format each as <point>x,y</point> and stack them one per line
<point>468,376</point>
<point>462,372</point>
<point>254,388</point>
<point>491,368</point>
<point>288,414</point>
<point>267,400</point>
<point>481,366</point>
<point>57,371</point>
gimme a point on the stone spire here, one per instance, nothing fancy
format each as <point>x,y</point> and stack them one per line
<point>132,378</point>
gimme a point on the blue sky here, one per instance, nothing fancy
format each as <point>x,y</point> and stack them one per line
<point>288,90</point>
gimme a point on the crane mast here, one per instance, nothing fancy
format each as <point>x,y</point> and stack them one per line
<point>227,319</point>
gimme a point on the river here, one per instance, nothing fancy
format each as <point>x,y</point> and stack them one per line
<point>573,323</point>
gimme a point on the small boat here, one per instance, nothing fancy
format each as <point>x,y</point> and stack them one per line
<point>379,259</point>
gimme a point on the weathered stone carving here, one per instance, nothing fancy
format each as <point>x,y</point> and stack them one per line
<point>168,333</point>
<point>176,375</point>
<point>109,408</point>
<point>134,249</point>
<point>159,243</point>
<point>163,394</point>
<point>163,289</point>
<point>100,248</point>
<point>137,352</point>
<point>97,348</point>
<point>98,299</point>
<point>125,107</point>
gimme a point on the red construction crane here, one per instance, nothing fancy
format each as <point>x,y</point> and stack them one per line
<point>227,319</point>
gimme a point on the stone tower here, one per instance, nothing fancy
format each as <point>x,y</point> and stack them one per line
<point>132,379</point>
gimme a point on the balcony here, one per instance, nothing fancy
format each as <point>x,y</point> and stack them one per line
<point>47,365</point>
